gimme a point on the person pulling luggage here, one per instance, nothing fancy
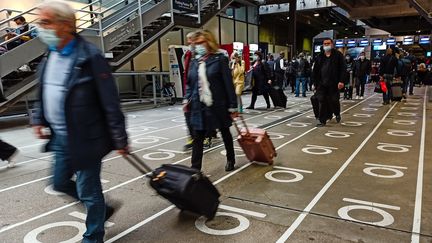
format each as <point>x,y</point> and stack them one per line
<point>7,153</point>
<point>329,72</point>
<point>211,95</point>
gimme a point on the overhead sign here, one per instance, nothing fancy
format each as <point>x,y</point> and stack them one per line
<point>351,43</point>
<point>408,40</point>
<point>364,42</point>
<point>377,42</point>
<point>188,6</point>
<point>391,41</point>
<point>424,40</point>
<point>339,43</point>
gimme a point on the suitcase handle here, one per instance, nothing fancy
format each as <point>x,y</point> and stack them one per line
<point>136,162</point>
<point>244,124</point>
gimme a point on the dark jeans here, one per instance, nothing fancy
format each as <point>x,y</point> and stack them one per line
<point>87,188</point>
<point>6,150</point>
<point>360,86</point>
<point>197,149</point>
<point>410,80</point>
<point>328,101</point>
<point>254,98</point>
<point>188,123</point>
<point>389,80</point>
<point>302,80</point>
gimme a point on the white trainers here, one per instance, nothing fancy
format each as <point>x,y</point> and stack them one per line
<point>361,97</point>
<point>357,97</point>
<point>11,161</point>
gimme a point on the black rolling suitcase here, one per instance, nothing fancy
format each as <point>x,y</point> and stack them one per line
<point>278,97</point>
<point>315,105</point>
<point>185,187</point>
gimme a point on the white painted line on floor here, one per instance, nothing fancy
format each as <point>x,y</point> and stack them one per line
<point>415,237</point>
<point>31,145</point>
<point>243,211</point>
<point>292,169</point>
<point>142,223</point>
<point>315,200</point>
<point>379,205</point>
<point>24,184</point>
<point>29,161</point>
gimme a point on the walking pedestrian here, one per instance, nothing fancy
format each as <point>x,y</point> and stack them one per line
<point>329,71</point>
<point>302,70</point>
<point>79,103</point>
<point>213,102</point>
<point>388,70</point>
<point>238,73</point>
<point>261,80</point>
<point>362,69</point>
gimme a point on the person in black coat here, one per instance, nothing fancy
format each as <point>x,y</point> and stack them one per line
<point>388,70</point>
<point>362,68</point>
<point>329,73</point>
<point>261,75</point>
<point>210,97</point>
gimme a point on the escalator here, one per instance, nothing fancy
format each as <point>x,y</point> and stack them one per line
<point>122,30</point>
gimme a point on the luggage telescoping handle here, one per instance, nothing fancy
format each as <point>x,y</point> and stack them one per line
<point>244,124</point>
<point>136,162</point>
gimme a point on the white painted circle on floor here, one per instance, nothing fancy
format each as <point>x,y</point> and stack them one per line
<point>397,173</point>
<point>362,115</point>
<point>200,223</point>
<point>241,154</point>
<point>405,122</point>
<point>409,114</point>
<point>400,133</point>
<point>369,109</point>
<point>337,134</point>
<point>276,136</point>
<point>317,150</point>
<point>149,156</point>
<point>298,124</point>
<point>31,237</point>
<point>145,140</point>
<point>352,124</point>
<point>178,120</point>
<point>408,108</point>
<point>387,218</point>
<point>272,117</point>
<point>393,148</point>
<point>269,176</point>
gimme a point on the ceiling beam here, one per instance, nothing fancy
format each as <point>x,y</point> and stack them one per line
<point>347,5</point>
<point>423,12</point>
<point>400,9</point>
<point>364,2</point>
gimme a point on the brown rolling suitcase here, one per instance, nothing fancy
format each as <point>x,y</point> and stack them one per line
<point>256,143</point>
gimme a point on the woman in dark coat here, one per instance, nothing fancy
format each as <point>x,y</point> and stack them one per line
<point>210,97</point>
<point>262,80</point>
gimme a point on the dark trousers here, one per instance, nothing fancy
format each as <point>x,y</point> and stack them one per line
<point>6,150</point>
<point>360,86</point>
<point>389,80</point>
<point>348,92</point>
<point>410,82</point>
<point>188,124</point>
<point>279,79</point>
<point>292,81</point>
<point>87,188</point>
<point>255,96</point>
<point>197,149</point>
<point>328,101</point>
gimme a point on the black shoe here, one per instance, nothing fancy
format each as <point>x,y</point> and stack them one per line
<point>250,108</point>
<point>338,118</point>
<point>321,124</point>
<point>111,209</point>
<point>411,93</point>
<point>229,166</point>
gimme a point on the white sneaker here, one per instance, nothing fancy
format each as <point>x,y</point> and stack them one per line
<point>361,97</point>
<point>11,161</point>
<point>357,97</point>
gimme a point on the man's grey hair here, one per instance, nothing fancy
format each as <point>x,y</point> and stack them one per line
<point>190,35</point>
<point>62,11</point>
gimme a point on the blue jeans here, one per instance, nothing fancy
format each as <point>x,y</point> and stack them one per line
<point>87,188</point>
<point>303,83</point>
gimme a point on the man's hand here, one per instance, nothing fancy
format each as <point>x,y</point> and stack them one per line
<point>124,151</point>
<point>38,130</point>
<point>340,85</point>
<point>234,115</point>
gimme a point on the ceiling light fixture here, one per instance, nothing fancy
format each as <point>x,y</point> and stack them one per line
<point>356,33</point>
<point>316,14</point>
<point>334,23</point>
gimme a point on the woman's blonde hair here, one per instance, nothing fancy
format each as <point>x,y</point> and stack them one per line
<point>210,39</point>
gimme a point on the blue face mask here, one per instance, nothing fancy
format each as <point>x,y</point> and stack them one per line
<point>200,51</point>
<point>49,37</point>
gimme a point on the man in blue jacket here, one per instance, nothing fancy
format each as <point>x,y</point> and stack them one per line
<point>79,104</point>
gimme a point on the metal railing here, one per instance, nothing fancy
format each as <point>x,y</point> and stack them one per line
<point>141,82</point>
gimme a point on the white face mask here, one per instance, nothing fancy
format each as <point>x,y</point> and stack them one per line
<point>49,37</point>
<point>327,48</point>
